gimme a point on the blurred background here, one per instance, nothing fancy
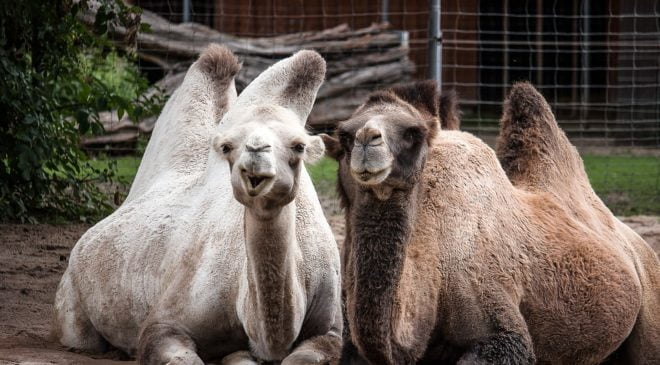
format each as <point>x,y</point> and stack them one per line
<point>596,62</point>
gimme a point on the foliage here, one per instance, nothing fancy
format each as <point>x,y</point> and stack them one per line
<point>56,73</point>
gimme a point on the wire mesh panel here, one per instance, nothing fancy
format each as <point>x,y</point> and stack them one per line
<point>596,62</point>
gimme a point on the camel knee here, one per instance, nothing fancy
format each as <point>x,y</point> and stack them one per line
<point>502,348</point>
<point>316,350</point>
<point>71,326</point>
<point>166,344</point>
<point>239,358</point>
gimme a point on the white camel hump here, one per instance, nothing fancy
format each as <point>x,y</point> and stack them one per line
<point>221,250</point>
<point>291,83</point>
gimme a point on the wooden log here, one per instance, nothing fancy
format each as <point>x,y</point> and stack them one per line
<point>110,139</point>
<point>358,61</point>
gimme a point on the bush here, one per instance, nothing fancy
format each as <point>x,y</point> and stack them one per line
<point>54,75</point>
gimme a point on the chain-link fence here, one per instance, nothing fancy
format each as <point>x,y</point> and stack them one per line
<point>596,62</point>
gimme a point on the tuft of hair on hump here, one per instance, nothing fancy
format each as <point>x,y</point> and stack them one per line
<point>423,95</point>
<point>528,131</point>
<point>448,111</point>
<point>218,62</point>
<point>379,97</point>
<point>307,72</point>
<point>526,107</point>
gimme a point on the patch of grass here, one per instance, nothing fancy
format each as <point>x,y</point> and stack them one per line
<point>629,185</point>
<point>324,175</point>
<point>126,166</point>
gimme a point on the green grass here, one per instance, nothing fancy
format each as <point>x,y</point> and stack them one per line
<point>126,166</point>
<point>629,185</point>
<point>324,175</point>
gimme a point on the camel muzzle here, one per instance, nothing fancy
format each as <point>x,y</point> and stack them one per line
<point>257,172</point>
<point>371,163</point>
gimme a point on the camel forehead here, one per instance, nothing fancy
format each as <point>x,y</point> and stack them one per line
<point>270,122</point>
<point>269,114</point>
<point>388,121</point>
<point>267,132</point>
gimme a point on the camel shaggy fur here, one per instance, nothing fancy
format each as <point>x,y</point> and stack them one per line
<point>451,258</point>
<point>221,250</point>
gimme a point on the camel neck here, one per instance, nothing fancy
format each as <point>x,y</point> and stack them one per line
<point>272,253</point>
<point>379,234</point>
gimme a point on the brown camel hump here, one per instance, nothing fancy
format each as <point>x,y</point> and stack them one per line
<point>531,147</point>
<point>448,111</point>
<point>376,98</point>
<point>219,62</point>
<point>423,95</point>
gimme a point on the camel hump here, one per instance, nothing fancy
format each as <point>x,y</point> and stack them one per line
<point>422,95</point>
<point>531,147</point>
<point>219,62</point>
<point>448,111</point>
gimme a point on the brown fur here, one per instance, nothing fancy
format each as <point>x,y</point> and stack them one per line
<point>220,64</point>
<point>459,264</point>
<point>448,111</point>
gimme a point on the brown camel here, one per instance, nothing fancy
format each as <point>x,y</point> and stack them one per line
<point>448,260</point>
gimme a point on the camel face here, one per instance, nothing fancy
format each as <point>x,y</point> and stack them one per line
<point>384,144</point>
<point>265,154</point>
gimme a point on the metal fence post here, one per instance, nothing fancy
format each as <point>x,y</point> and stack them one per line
<point>435,43</point>
<point>186,11</point>
<point>385,9</point>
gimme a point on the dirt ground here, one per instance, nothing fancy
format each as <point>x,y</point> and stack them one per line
<point>32,260</point>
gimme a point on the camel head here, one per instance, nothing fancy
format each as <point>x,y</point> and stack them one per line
<point>263,136</point>
<point>383,146</point>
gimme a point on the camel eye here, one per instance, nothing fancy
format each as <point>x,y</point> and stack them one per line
<point>414,134</point>
<point>300,148</point>
<point>226,148</point>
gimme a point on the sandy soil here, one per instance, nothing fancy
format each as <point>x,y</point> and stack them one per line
<point>32,260</point>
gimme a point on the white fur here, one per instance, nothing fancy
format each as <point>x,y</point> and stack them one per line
<point>175,252</point>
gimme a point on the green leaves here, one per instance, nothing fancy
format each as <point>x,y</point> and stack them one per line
<point>56,74</point>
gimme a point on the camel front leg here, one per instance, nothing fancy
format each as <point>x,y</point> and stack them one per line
<point>501,348</point>
<point>509,341</point>
<point>322,349</point>
<point>167,344</point>
<point>350,355</point>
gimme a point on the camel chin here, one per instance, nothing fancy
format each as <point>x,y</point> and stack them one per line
<point>463,255</point>
<point>221,250</point>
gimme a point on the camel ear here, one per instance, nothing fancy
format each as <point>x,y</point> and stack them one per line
<point>332,146</point>
<point>423,95</point>
<point>291,83</point>
<point>314,150</point>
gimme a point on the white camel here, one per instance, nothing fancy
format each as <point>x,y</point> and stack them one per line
<point>217,253</point>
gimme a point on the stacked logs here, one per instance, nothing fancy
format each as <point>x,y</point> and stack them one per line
<point>358,61</point>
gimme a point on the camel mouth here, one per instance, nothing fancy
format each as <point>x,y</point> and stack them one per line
<point>256,180</point>
<point>256,184</point>
<point>371,178</point>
